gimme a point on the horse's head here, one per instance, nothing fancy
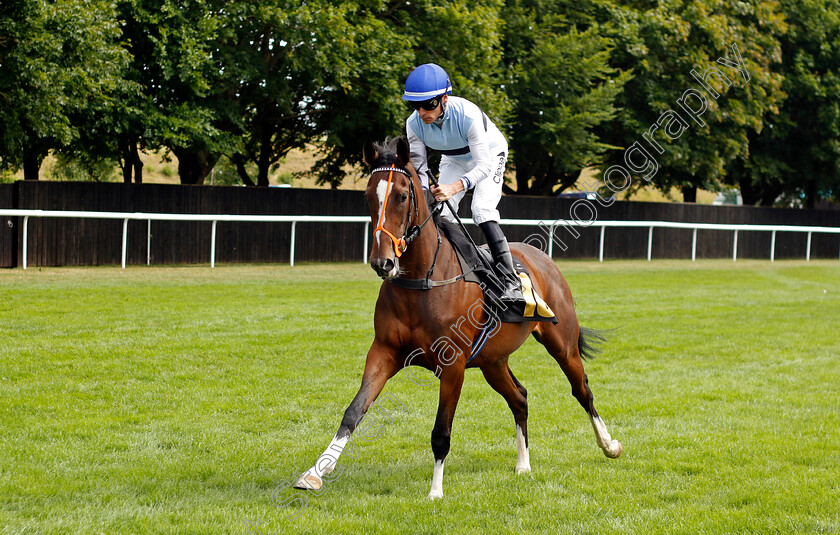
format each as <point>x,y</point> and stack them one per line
<point>393,203</point>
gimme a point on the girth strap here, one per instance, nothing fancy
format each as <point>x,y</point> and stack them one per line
<point>423,284</point>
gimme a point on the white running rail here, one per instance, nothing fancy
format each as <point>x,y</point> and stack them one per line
<point>549,228</point>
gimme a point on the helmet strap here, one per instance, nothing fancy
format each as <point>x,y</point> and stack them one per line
<point>439,120</point>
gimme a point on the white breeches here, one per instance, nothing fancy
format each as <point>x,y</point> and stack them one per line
<point>486,194</point>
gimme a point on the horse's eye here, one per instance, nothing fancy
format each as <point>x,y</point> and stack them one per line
<point>403,197</point>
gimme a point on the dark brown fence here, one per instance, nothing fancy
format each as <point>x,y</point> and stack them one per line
<point>55,242</point>
<point>8,230</point>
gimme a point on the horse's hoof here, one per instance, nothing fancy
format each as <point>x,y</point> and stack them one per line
<point>523,470</point>
<point>615,450</point>
<point>435,495</point>
<point>309,482</point>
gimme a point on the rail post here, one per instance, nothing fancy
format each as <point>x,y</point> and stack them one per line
<point>735,247</point>
<point>551,239</point>
<point>124,241</point>
<point>808,250</point>
<point>365,246</point>
<point>25,239</point>
<point>601,245</point>
<point>149,243</point>
<point>292,246</point>
<point>693,245</point>
<point>213,245</point>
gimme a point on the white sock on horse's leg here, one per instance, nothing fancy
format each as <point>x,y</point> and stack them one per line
<point>612,448</point>
<point>437,481</point>
<point>313,478</point>
<point>327,461</point>
<point>523,461</point>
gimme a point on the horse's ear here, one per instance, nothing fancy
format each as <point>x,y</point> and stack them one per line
<point>369,152</point>
<point>403,150</point>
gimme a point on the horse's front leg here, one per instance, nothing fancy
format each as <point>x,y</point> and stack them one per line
<point>451,382</point>
<point>381,365</point>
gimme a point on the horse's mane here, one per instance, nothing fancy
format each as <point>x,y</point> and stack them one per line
<point>386,152</point>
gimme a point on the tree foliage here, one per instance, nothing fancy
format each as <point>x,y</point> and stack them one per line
<point>675,93</point>
<point>57,60</point>
<point>797,156</point>
<point>670,46</point>
<point>463,37</point>
<point>562,88</point>
<point>164,102</point>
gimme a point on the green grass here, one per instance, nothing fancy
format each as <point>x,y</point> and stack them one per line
<point>176,400</point>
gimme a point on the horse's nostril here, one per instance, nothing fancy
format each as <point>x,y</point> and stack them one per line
<point>382,266</point>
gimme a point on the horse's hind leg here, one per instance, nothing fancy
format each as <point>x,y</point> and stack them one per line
<point>499,376</point>
<point>565,348</point>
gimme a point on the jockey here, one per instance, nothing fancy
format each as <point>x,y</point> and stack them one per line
<point>473,155</point>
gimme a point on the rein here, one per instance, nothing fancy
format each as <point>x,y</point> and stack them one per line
<point>411,233</point>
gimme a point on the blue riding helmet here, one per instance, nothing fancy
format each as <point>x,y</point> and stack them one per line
<point>426,82</point>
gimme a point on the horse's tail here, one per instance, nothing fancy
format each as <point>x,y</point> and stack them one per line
<point>590,342</point>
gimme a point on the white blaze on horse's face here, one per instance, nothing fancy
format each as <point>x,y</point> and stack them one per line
<point>381,192</point>
<point>382,256</point>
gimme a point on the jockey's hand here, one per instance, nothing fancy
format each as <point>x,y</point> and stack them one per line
<point>444,192</point>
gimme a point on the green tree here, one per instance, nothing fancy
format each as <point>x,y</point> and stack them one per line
<point>276,61</point>
<point>562,88</point>
<point>798,154</point>
<point>331,74</point>
<point>56,60</point>
<point>164,96</point>
<point>663,43</point>
<point>164,99</point>
<point>463,37</point>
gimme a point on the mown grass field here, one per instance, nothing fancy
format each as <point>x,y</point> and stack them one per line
<point>181,399</point>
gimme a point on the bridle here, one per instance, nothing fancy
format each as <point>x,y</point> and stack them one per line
<point>411,232</point>
<point>400,244</point>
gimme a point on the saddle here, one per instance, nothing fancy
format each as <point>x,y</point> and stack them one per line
<point>477,266</point>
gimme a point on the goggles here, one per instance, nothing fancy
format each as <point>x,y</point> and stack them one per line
<point>427,105</point>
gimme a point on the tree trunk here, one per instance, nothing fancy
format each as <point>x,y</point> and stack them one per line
<point>239,162</point>
<point>522,177</point>
<point>125,165</point>
<point>130,162</point>
<point>542,185</point>
<point>137,163</point>
<point>264,163</point>
<point>811,194</point>
<point>689,193</point>
<point>748,193</point>
<point>31,163</point>
<point>262,175</point>
<point>768,196</point>
<point>194,163</point>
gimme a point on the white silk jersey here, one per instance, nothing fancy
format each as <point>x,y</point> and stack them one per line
<point>464,134</point>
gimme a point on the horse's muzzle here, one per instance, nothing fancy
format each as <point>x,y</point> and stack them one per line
<point>384,267</point>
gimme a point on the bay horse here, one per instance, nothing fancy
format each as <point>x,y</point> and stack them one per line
<point>428,327</point>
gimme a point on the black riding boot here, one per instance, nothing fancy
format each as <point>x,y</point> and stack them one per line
<point>503,262</point>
